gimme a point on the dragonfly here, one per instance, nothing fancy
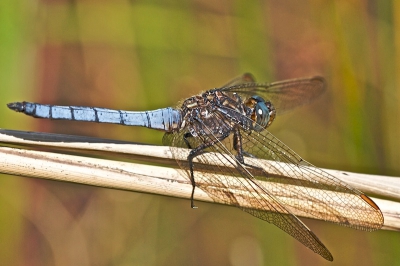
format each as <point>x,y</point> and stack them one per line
<point>232,121</point>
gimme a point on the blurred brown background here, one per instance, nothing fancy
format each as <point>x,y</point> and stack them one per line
<point>140,55</point>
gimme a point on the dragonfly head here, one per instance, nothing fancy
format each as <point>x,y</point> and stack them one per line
<point>262,112</point>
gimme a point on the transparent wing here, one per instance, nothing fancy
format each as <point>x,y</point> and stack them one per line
<point>307,187</point>
<point>284,95</point>
<point>245,78</point>
<point>227,181</point>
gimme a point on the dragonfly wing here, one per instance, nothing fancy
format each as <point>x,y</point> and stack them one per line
<point>245,78</point>
<point>306,187</point>
<point>294,227</point>
<point>284,95</point>
<point>227,181</point>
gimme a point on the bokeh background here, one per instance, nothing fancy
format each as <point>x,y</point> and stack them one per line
<point>140,55</point>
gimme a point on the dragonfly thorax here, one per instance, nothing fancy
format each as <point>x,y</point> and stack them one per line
<point>214,113</point>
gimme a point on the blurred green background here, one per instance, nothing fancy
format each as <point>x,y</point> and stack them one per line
<point>140,55</point>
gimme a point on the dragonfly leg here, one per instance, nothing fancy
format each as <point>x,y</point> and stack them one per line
<point>185,139</point>
<point>238,146</point>
<point>196,152</point>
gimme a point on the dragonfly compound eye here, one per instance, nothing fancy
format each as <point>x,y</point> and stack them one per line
<point>263,112</point>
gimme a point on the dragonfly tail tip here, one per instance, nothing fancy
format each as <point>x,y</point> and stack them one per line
<point>16,106</point>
